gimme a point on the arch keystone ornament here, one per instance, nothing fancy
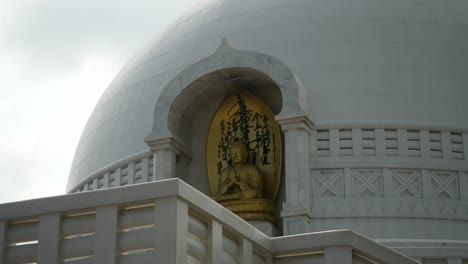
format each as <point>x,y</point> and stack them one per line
<point>177,93</point>
<point>243,157</point>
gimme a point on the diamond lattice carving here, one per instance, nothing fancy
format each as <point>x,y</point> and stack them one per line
<point>444,184</point>
<point>367,182</point>
<point>328,183</point>
<point>406,183</point>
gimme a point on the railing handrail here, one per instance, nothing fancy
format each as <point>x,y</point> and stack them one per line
<point>174,192</point>
<point>130,194</point>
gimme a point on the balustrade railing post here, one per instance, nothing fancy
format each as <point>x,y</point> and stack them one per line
<point>171,230</point>
<point>446,145</point>
<point>2,241</point>
<point>357,141</point>
<point>105,246</point>
<point>246,254</point>
<point>49,238</point>
<point>131,173</point>
<point>402,142</point>
<point>216,242</point>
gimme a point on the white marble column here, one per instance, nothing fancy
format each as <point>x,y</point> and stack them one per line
<point>105,242</point>
<point>171,230</point>
<point>49,238</point>
<point>296,209</point>
<point>216,242</point>
<point>166,151</point>
<point>246,251</point>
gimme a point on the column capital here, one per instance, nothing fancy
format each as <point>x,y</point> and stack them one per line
<point>164,142</point>
<point>295,121</point>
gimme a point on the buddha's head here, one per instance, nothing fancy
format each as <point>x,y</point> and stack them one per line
<point>238,152</point>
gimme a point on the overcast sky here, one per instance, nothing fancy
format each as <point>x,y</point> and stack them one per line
<point>56,59</point>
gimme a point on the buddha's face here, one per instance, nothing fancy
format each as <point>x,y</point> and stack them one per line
<point>238,155</point>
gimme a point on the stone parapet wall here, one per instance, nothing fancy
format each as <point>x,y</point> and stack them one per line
<point>131,170</point>
<point>162,222</point>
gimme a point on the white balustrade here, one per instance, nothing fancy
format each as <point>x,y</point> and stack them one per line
<point>162,222</point>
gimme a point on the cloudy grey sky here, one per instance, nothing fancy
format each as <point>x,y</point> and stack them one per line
<point>56,59</point>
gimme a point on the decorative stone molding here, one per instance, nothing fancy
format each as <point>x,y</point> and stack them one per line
<point>171,102</point>
<point>359,192</point>
<point>166,151</point>
<point>167,142</point>
<point>299,120</point>
<point>389,183</point>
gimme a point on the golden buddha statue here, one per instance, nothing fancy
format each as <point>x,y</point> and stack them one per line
<point>240,180</point>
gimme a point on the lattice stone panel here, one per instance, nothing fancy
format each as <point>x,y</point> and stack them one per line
<point>444,184</point>
<point>414,143</point>
<point>78,237</point>
<point>139,172</point>
<point>231,248</point>
<point>456,144</point>
<point>367,182</point>
<point>328,183</point>
<point>346,142</point>
<point>406,183</point>
<point>323,143</point>
<point>391,142</point>
<point>21,241</point>
<point>124,176</point>
<point>197,240</point>
<point>150,169</point>
<point>368,142</point>
<point>435,144</point>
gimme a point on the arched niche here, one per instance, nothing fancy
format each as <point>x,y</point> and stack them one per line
<point>188,102</point>
<point>193,110</point>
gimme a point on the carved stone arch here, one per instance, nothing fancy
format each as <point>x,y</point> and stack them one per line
<point>172,100</point>
<point>186,106</point>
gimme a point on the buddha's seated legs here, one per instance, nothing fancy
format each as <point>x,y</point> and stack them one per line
<point>249,194</point>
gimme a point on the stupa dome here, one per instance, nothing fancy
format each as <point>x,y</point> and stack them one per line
<point>382,86</point>
<point>375,63</point>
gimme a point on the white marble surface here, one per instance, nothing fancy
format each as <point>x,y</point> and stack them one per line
<point>359,61</point>
<point>165,221</point>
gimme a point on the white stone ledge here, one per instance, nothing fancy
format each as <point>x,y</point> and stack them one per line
<point>386,207</point>
<point>313,242</point>
<point>434,252</point>
<point>387,162</point>
<point>426,243</point>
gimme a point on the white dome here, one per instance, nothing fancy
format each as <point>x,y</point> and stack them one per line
<point>385,84</point>
<point>378,62</point>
